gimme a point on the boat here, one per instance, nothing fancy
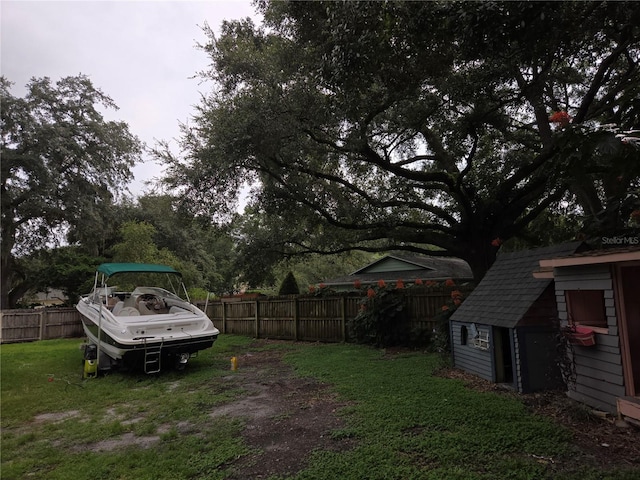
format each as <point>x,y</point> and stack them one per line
<point>144,321</point>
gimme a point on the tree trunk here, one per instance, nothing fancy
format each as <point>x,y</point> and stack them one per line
<point>480,256</point>
<point>5,282</point>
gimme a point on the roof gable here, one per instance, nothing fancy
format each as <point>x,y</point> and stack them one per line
<point>408,268</point>
<point>509,288</point>
<point>392,263</point>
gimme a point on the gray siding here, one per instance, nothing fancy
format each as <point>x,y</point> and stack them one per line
<point>599,376</point>
<point>470,358</point>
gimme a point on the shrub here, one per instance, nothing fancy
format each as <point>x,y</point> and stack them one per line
<point>289,285</point>
<point>381,320</point>
<point>197,294</point>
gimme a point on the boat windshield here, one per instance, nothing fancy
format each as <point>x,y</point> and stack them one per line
<point>160,292</point>
<point>169,283</point>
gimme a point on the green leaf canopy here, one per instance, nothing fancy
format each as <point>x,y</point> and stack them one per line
<point>424,126</point>
<point>62,165</point>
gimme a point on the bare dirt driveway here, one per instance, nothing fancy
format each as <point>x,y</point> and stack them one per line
<point>287,418</point>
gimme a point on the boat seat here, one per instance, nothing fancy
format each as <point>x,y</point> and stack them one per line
<point>117,308</point>
<point>144,310</point>
<point>129,312</point>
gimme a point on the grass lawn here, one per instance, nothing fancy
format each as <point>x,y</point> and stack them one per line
<point>402,422</point>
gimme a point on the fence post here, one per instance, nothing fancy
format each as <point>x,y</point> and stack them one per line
<point>257,319</point>
<point>296,314</point>
<point>224,316</point>
<point>343,318</point>
<point>43,319</point>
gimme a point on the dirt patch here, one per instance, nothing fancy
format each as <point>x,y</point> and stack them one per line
<point>287,418</point>
<point>123,441</point>
<point>56,417</point>
<point>600,441</point>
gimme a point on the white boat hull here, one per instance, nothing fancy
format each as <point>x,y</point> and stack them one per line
<point>138,336</point>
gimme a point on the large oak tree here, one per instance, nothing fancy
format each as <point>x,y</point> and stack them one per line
<point>417,125</point>
<point>63,164</point>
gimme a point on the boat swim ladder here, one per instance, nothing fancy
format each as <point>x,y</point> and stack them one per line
<point>152,357</point>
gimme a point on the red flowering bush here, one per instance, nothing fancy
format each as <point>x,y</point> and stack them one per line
<point>381,320</point>
<point>419,281</point>
<point>440,340</point>
<point>496,242</point>
<point>450,283</point>
<point>562,118</point>
<point>357,284</point>
<point>400,283</point>
<point>321,290</point>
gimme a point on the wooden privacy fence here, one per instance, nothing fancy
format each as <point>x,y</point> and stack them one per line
<point>317,318</point>
<point>27,325</point>
<point>293,318</point>
<point>303,318</point>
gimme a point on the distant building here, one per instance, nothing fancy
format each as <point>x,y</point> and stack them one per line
<point>49,298</point>
<point>407,268</point>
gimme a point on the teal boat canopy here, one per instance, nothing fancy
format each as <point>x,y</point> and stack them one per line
<point>109,269</point>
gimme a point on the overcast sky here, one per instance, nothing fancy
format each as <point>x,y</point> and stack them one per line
<point>140,53</point>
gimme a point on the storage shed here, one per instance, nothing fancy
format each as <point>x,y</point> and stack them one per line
<point>599,291</point>
<point>505,331</point>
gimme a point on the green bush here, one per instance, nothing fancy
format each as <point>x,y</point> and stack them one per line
<point>289,285</point>
<point>382,320</point>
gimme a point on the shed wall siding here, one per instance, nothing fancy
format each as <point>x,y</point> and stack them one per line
<point>599,375</point>
<point>469,358</point>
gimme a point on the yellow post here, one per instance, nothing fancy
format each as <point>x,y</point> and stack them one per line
<point>234,363</point>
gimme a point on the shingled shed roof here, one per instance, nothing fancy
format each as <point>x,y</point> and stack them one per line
<point>509,288</point>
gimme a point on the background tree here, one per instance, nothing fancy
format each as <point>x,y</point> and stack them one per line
<point>289,285</point>
<point>414,125</point>
<point>62,166</point>
<point>261,264</point>
<point>209,248</point>
<point>67,268</point>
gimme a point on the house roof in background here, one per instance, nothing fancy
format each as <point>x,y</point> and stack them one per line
<point>408,268</point>
<point>509,288</point>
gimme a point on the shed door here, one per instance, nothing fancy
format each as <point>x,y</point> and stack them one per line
<point>502,355</point>
<point>630,282</point>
